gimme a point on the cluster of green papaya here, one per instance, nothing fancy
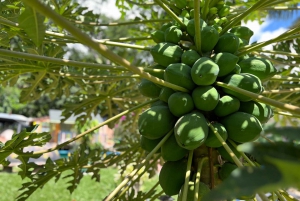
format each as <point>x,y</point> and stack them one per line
<point>233,115</point>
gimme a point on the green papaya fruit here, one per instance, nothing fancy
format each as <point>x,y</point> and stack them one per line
<point>171,151</point>
<point>236,70</point>
<point>184,20</point>
<point>149,145</point>
<point>205,98</point>
<point>159,103</point>
<point>245,56</point>
<point>224,154</point>
<point>228,42</point>
<point>158,71</point>
<point>226,170</point>
<point>244,81</point>
<point>227,105</point>
<point>180,3</point>
<point>261,111</point>
<point>217,27</point>
<point>224,11</point>
<point>166,53</point>
<point>165,93</point>
<point>204,71</point>
<point>179,74</point>
<point>243,42</point>
<point>242,32</point>
<point>203,189</point>
<point>180,103</point>
<point>242,127</point>
<point>156,122</point>
<point>158,36</point>
<point>209,38</point>
<point>190,28</point>
<point>191,130</point>
<point>226,62</point>
<point>172,176</point>
<point>189,57</point>
<point>164,27</point>
<point>190,4</point>
<point>149,89</point>
<point>260,67</point>
<point>220,4</point>
<point>185,13</point>
<point>192,13</point>
<point>212,140</point>
<point>173,34</point>
<point>213,10</point>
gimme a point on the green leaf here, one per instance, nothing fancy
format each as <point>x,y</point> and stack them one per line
<point>32,23</point>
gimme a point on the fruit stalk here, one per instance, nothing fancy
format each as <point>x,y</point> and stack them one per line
<point>187,176</point>
<point>198,176</point>
<point>197,25</point>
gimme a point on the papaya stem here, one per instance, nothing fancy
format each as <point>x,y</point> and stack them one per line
<point>95,128</point>
<point>157,195</point>
<point>138,176</point>
<point>237,19</point>
<point>279,91</point>
<point>152,189</point>
<point>263,197</point>
<point>118,23</point>
<point>243,154</point>
<point>125,45</point>
<point>281,53</point>
<point>286,114</point>
<point>279,195</point>
<point>133,173</point>
<point>227,148</point>
<point>170,12</point>
<point>260,98</point>
<point>187,175</point>
<point>197,25</point>
<point>172,6</point>
<point>284,78</point>
<point>100,48</point>
<point>198,176</point>
<point>205,9</point>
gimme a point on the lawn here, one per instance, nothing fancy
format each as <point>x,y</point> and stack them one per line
<point>88,190</point>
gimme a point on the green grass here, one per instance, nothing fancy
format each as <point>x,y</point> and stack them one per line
<point>87,190</point>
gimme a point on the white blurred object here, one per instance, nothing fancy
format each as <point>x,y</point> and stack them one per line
<point>6,135</point>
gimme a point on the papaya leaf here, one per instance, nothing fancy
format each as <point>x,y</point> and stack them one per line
<point>280,165</point>
<point>289,133</point>
<point>33,24</point>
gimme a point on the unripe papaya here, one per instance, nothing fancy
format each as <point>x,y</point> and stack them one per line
<point>236,70</point>
<point>158,36</point>
<point>226,170</point>
<point>172,176</point>
<point>166,53</point>
<point>244,81</point>
<point>227,105</point>
<point>190,28</point>
<point>171,151</point>
<point>180,103</point>
<point>242,127</point>
<point>159,74</point>
<point>165,93</point>
<point>243,42</point>
<point>185,13</point>
<point>179,74</point>
<point>224,11</point>
<point>189,57</point>
<point>213,10</point>
<point>180,3</point>
<point>159,103</point>
<point>228,42</point>
<point>205,98</point>
<point>225,155</point>
<point>209,38</point>
<point>204,71</point>
<point>203,189</point>
<point>149,89</point>
<point>242,32</point>
<point>156,122</point>
<point>260,67</point>
<point>149,145</point>
<point>212,140</point>
<point>245,56</point>
<point>184,20</point>
<point>226,62</point>
<point>192,13</point>
<point>164,27</point>
<point>173,34</point>
<point>261,111</point>
<point>191,130</point>
<point>190,4</point>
